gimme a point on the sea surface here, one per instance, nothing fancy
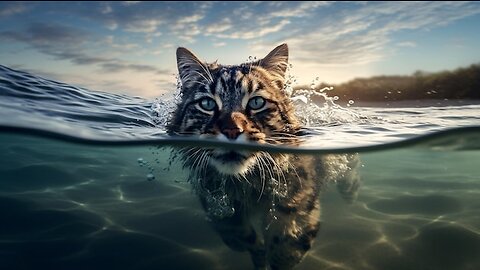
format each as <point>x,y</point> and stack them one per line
<point>86,182</point>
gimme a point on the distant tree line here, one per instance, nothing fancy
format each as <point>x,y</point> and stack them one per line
<point>462,83</point>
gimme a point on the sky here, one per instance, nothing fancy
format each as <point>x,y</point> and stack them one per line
<point>129,47</point>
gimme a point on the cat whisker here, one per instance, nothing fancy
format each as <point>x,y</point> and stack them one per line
<point>184,133</point>
<point>276,141</point>
<point>261,170</point>
<point>291,166</point>
<point>195,158</point>
<point>204,163</point>
<point>281,138</point>
<point>245,178</point>
<point>278,170</point>
<point>283,133</point>
<point>270,167</point>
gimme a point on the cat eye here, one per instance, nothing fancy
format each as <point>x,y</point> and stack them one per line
<point>207,104</point>
<point>256,103</point>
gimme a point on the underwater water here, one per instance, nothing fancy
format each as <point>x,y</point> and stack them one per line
<point>86,182</point>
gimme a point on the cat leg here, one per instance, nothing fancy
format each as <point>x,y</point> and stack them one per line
<point>289,234</point>
<point>239,235</point>
<point>349,183</point>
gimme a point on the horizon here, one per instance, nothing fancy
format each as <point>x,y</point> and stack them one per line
<point>129,47</point>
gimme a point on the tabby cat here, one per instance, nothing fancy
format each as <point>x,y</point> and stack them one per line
<point>260,202</point>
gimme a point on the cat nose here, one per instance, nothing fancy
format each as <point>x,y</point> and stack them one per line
<point>232,133</point>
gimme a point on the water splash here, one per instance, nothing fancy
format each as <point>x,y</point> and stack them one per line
<point>219,206</point>
<point>163,107</point>
<point>218,203</point>
<point>315,108</point>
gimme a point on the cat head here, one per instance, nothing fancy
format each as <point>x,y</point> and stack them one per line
<point>239,103</point>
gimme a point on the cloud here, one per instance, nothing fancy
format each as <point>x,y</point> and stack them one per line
<point>77,58</point>
<point>218,27</point>
<point>11,8</point>
<point>299,9</point>
<point>143,26</point>
<point>118,66</point>
<point>362,35</point>
<point>219,44</point>
<point>409,44</point>
<point>130,3</point>
<point>139,17</point>
<point>65,43</point>
<point>189,22</point>
<point>110,41</point>
<point>44,35</point>
<point>256,33</point>
<point>190,19</point>
<point>106,9</point>
<point>252,20</point>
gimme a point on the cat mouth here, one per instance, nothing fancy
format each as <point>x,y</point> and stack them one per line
<point>232,162</point>
<point>232,156</point>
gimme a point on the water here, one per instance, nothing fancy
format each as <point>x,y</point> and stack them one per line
<point>86,182</point>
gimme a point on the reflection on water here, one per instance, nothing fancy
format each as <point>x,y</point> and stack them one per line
<point>67,206</point>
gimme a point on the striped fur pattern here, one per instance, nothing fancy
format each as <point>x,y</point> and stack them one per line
<point>259,202</point>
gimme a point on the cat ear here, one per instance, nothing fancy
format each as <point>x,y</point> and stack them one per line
<point>191,69</point>
<point>276,61</point>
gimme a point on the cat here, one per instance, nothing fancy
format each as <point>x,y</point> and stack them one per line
<point>264,203</point>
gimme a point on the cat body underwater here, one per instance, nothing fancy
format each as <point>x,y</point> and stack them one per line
<point>264,203</point>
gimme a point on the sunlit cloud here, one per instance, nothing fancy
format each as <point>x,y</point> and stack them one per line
<point>219,44</point>
<point>143,26</point>
<point>130,3</point>
<point>360,37</point>
<point>65,43</point>
<point>409,44</point>
<point>301,9</point>
<point>257,33</point>
<point>219,27</point>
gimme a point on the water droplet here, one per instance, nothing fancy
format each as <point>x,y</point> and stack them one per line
<point>150,177</point>
<point>351,102</point>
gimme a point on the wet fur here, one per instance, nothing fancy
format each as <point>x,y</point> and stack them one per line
<point>264,203</point>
